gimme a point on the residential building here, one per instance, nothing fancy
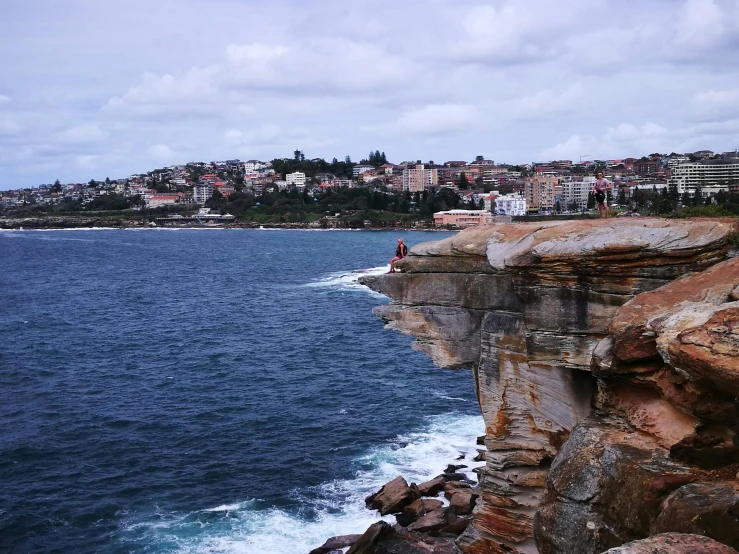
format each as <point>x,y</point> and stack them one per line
<point>510,204</point>
<point>418,178</point>
<point>157,200</point>
<point>359,169</point>
<point>539,192</point>
<point>202,192</point>
<point>252,166</point>
<point>463,218</point>
<point>647,167</point>
<point>576,191</point>
<point>297,179</point>
<point>710,175</point>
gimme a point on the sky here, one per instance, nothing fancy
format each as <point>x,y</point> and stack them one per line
<point>92,89</point>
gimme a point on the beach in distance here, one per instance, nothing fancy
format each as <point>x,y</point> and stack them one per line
<point>219,391</point>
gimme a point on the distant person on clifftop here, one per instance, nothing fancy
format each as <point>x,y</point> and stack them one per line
<point>599,190</point>
<point>400,252</point>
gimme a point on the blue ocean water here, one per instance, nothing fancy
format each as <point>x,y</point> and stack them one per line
<point>208,390</point>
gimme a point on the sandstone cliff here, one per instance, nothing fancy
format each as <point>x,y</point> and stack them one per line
<point>604,356</point>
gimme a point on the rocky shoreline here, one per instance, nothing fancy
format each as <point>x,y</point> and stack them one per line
<point>85,222</point>
<point>429,516</point>
<point>605,357</point>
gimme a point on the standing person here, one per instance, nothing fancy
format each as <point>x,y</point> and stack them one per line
<point>400,252</point>
<point>599,190</point>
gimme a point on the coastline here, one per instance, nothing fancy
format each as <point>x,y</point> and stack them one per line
<point>71,223</point>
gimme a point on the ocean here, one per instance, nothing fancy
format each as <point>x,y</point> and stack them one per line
<point>192,391</point>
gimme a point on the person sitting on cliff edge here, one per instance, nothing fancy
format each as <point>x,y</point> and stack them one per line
<point>400,252</point>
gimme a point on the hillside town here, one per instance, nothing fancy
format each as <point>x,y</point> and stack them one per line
<point>483,188</point>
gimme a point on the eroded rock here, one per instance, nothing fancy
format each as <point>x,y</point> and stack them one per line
<point>605,488</point>
<point>710,509</point>
<point>673,543</point>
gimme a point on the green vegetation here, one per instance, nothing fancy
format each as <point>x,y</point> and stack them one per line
<point>350,203</point>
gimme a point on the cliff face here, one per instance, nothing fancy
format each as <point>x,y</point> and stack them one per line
<point>606,386</point>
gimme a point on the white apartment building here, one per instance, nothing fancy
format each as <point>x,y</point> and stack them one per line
<point>297,179</point>
<point>419,179</point>
<point>359,169</point>
<point>252,166</point>
<point>577,192</point>
<point>202,192</point>
<point>510,204</point>
<point>711,176</point>
<point>673,162</point>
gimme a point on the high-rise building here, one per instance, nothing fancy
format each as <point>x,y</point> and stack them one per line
<point>540,192</point>
<point>418,178</point>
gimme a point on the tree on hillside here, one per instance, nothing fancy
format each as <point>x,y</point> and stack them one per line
<point>479,158</point>
<point>463,183</point>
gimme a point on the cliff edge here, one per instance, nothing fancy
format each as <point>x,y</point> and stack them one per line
<point>604,356</point>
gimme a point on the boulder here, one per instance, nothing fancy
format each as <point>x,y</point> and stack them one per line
<point>368,542</point>
<point>452,468</point>
<point>393,496</point>
<point>416,509</point>
<point>433,521</point>
<point>605,488</point>
<point>463,501</point>
<point>432,487</point>
<point>336,543</point>
<point>673,543</point>
<point>458,527</point>
<point>453,487</point>
<point>680,305</point>
<point>710,509</point>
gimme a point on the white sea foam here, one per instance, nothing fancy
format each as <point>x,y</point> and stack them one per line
<point>338,505</point>
<point>348,279</point>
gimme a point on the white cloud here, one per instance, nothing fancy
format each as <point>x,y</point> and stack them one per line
<point>437,118</point>
<point>545,102</point>
<point>717,104</point>
<point>161,153</point>
<point>165,90</point>
<point>255,54</point>
<point>83,134</point>
<point>85,161</point>
<point>699,23</point>
<point>627,132</point>
<point>625,139</point>
<point>4,99</point>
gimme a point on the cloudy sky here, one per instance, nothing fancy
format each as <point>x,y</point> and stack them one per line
<point>93,88</point>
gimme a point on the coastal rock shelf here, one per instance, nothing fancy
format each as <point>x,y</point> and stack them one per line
<point>604,356</point>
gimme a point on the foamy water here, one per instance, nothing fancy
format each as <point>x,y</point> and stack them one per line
<point>331,509</point>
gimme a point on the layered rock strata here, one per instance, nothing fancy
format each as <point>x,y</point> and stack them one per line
<point>525,306</point>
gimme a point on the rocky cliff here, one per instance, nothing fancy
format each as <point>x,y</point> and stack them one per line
<point>604,356</point>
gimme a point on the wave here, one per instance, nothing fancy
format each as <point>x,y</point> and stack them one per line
<point>348,279</point>
<point>330,509</point>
